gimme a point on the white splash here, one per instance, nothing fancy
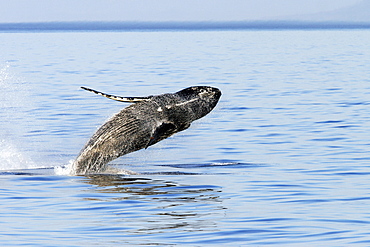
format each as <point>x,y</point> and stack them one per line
<point>14,105</point>
<point>11,158</point>
<point>64,170</point>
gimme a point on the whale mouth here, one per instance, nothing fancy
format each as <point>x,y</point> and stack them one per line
<point>216,92</point>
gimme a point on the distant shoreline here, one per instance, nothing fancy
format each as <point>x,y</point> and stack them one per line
<point>181,26</point>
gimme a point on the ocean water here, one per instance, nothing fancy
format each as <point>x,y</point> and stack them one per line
<point>282,160</point>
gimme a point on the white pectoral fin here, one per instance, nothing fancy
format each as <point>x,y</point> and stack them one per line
<point>119,98</point>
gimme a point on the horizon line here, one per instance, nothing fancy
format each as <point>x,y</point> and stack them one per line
<point>178,25</point>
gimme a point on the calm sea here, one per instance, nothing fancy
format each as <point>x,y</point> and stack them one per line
<point>282,160</point>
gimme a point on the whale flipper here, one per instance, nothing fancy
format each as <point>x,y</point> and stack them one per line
<point>119,98</point>
<point>162,132</point>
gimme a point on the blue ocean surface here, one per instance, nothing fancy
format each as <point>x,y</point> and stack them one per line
<point>282,160</point>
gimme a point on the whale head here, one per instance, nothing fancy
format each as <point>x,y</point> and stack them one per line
<point>200,99</point>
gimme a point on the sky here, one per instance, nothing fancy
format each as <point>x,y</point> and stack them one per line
<point>178,10</point>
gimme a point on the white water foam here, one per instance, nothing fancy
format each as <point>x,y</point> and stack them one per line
<point>68,170</point>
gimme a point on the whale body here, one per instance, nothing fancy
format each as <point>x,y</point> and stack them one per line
<point>147,121</point>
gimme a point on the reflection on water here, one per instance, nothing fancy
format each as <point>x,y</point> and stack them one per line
<point>167,204</point>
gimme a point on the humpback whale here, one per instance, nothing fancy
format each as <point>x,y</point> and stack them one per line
<point>145,122</point>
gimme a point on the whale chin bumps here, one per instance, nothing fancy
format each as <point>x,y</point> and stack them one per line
<point>145,122</point>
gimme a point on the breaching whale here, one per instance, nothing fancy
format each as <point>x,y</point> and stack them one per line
<point>147,121</point>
